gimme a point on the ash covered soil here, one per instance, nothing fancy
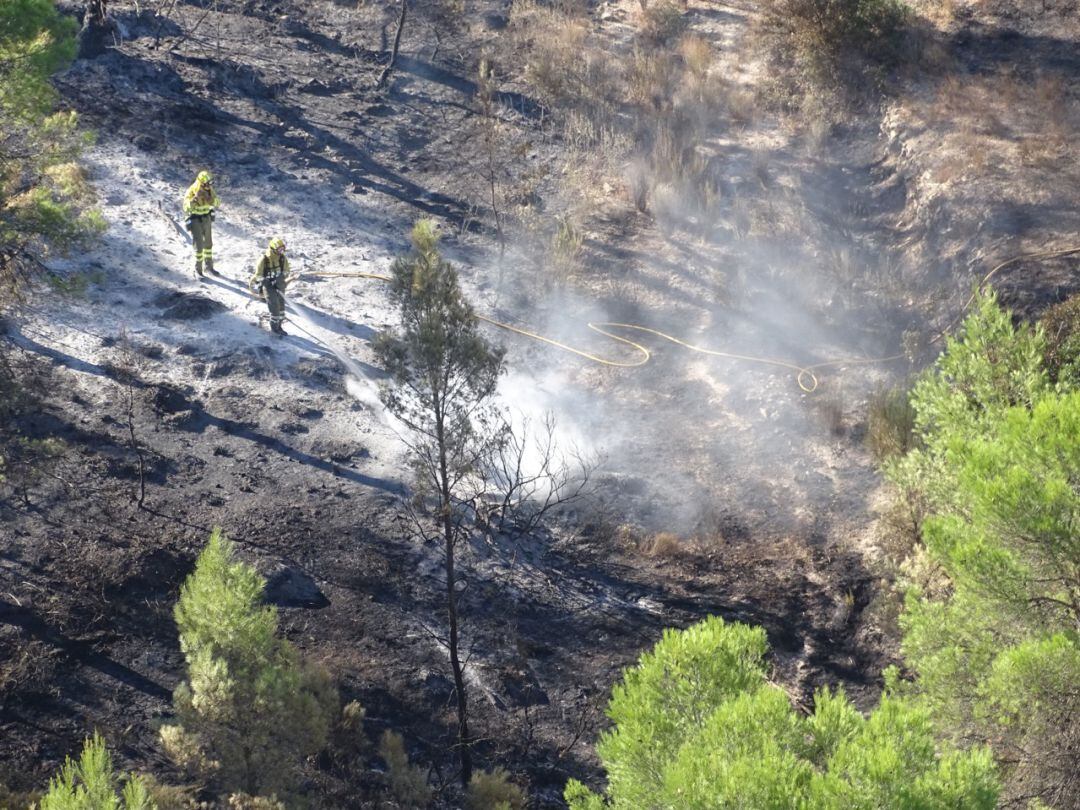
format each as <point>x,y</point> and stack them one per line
<point>283,444</point>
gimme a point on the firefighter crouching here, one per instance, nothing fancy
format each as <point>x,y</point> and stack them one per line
<point>270,278</point>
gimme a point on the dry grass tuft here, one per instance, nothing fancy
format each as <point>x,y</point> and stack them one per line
<point>662,22</point>
<point>664,545</point>
<point>890,430</point>
<point>697,55</point>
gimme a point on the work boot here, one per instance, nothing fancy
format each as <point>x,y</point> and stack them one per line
<point>198,270</point>
<point>275,328</point>
<point>210,271</point>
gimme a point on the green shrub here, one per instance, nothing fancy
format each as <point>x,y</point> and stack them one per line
<point>91,783</point>
<point>408,783</point>
<point>697,725</point>
<point>996,653</point>
<point>990,618</point>
<point>991,365</point>
<point>250,711</point>
<point>493,790</point>
<point>1061,324</point>
<point>44,197</point>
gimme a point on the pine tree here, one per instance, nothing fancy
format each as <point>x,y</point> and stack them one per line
<point>698,726</point>
<point>91,783</point>
<point>250,710</point>
<point>443,374</point>
<point>997,652</point>
<point>993,600</point>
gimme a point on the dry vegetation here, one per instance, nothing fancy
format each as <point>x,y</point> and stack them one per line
<point>992,125</point>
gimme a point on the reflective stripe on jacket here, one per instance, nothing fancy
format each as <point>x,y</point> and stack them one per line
<point>200,200</point>
<point>271,269</point>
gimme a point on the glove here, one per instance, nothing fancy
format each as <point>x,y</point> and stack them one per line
<point>187,223</point>
<point>211,216</point>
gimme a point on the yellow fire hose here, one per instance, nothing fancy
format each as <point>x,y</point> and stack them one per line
<point>804,375</point>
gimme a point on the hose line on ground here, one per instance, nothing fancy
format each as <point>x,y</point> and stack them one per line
<point>805,376</point>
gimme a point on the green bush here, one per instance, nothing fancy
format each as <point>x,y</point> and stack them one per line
<point>44,198</point>
<point>493,790</point>
<point>991,612</point>
<point>91,783</point>
<point>1061,324</point>
<point>989,367</point>
<point>408,783</point>
<point>996,653</point>
<point>250,711</point>
<point>697,725</point>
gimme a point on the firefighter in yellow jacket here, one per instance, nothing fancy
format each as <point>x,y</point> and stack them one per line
<point>271,276</point>
<point>199,204</point>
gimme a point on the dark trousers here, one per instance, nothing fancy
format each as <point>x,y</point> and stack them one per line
<point>276,301</point>
<point>203,240</point>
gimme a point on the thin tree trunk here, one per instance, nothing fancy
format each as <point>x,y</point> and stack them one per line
<point>397,44</point>
<point>464,740</point>
<point>135,444</point>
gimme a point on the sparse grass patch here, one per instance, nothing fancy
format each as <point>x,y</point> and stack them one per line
<point>639,185</point>
<point>75,284</point>
<point>697,55</point>
<point>652,78</point>
<point>898,532</point>
<point>991,121</point>
<point>830,403</point>
<point>566,245</point>
<point>565,69</point>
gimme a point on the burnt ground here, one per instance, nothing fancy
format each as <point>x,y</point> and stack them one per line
<point>91,580</point>
<point>823,250</point>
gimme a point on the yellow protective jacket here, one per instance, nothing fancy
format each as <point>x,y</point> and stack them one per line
<point>272,270</point>
<point>200,200</point>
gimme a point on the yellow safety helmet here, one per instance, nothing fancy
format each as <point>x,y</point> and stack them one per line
<point>277,245</point>
<point>205,178</point>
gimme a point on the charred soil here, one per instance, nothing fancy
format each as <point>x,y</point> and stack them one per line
<point>172,411</point>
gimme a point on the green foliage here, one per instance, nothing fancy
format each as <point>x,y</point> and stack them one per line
<point>493,790</point>
<point>998,652</point>
<point>443,375</point>
<point>1061,324</point>
<point>407,782</point>
<point>697,725</point>
<point>991,607</point>
<point>43,196</point>
<point>250,710</point>
<point>91,783</point>
<point>440,364</point>
<point>991,365</point>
